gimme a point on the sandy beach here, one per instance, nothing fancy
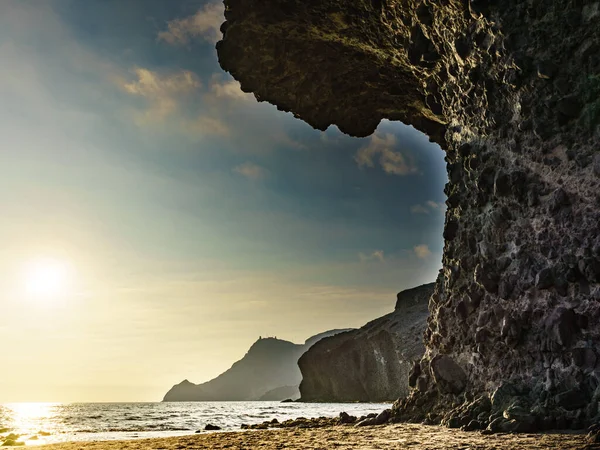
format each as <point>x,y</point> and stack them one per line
<point>399,436</point>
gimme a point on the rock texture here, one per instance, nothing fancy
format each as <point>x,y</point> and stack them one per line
<point>269,371</point>
<point>511,90</point>
<point>370,364</point>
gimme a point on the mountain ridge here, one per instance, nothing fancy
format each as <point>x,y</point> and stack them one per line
<point>269,368</point>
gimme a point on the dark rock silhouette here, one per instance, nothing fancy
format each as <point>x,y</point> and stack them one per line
<point>281,393</point>
<point>511,91</point>
<point>370,364</point>
<point>268,371</point>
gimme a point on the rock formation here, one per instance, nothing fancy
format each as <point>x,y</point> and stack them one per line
<point>280,394</point>
<point>511,91</point>
<point>370,364</point>
<point>268,371</point>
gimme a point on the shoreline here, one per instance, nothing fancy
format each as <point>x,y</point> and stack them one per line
<point>86,422</point>
<point>394,436</point>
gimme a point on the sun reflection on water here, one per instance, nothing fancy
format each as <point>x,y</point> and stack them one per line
<point>27,412</point>
<point>27,420</point>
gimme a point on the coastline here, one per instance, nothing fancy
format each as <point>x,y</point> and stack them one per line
<point>394,436</point>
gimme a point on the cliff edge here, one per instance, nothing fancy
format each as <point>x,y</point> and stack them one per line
<point>372,363</point>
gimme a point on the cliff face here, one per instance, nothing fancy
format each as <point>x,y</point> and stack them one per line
<point>510,89</point>
<point>370,364</point>
<point>268,371</point>
<point>270,363</point>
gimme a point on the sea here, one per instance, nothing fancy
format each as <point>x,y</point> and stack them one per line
<point>45,423</point>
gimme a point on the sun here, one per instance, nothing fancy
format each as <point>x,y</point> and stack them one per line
<point>46,278</point>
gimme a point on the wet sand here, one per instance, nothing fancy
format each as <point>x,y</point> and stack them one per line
<point>399,436</point>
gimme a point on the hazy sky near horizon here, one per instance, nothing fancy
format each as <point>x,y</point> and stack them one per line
<point>192,218</point>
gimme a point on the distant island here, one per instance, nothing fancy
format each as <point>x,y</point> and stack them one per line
<point>268,371</point>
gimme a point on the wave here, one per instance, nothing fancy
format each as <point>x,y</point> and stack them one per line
<point>80,422</point>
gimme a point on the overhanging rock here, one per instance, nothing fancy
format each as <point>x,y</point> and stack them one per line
<point>511,90</point>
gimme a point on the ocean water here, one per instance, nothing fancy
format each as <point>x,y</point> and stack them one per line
<point>43,423</point>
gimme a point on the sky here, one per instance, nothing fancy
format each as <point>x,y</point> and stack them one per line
<point>156,220</point>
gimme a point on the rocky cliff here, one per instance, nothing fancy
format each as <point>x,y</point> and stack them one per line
<point>511,91</point>
<point>268,371</point>
<point>370,364</point>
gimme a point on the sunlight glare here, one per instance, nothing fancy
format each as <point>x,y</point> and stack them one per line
<point>46,278</point>
<point>28,412</point>
<point>33,419</point>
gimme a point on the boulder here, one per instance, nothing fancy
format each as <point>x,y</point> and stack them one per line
<point>346,418</point>
<point>572,399</point>
<point>448,375</point>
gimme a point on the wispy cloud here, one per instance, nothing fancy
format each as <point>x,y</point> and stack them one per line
<point>281,138</point>
<point>252,171</point>
<point>377,255</point>
<point>381,150</point>
<point>422,251</point>
<point>186,104</point>
<point>229,89</point>
<point>205,24</point>
<point>419,209</point>
<point>163,92</point>
<point>207,125</point>
<point>151,83</point>
<point>169,94</point>
<point>427,207</point>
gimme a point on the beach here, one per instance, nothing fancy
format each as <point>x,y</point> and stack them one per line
<point>397,436</point>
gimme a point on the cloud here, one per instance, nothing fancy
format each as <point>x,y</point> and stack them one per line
<point>164,92</point>
<point>204,24</point>
<point>333,135</point>
<point>204,108</point>
<point>419,209</point>
<point>251,171</point>
<point>150,83</point>
<point>427,207</point>
<point>377,255</point>
<point>435,205</point>
<point>281,138</point>
<point>381,148</point>
<point>228,89</point>
<point>258,126</point>
<point>422,251</point>
<point>207,125</point>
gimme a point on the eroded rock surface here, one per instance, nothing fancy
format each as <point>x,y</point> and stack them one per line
<point>511,90</point>
<point>372,363</point>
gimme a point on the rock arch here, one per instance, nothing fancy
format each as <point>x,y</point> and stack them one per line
<point>511,91</point>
